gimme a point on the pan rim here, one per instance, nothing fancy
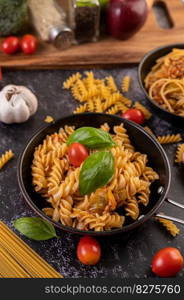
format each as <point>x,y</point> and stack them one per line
<point>126,228</point>
<point>143,60</point>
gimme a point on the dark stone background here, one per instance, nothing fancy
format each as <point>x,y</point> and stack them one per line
<point>124,256</point>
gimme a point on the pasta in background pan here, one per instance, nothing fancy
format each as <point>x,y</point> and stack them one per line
<point>165,82</point>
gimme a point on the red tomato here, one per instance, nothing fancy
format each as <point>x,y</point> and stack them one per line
<point>29,44</point>
<point>167,262</point>
<point>88,251</point>
<point>77,153</point>
<point>135,115</point>
<point>10,45</point>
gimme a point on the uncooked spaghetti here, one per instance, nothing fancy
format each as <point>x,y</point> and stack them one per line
<point>18,260</point>
<point>165,82</point>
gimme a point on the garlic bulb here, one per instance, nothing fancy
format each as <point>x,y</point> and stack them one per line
<point>17,104</point>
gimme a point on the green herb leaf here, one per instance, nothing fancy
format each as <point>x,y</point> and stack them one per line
<point>97,171</point>
<point>92,138</point>
<point>35,228</point>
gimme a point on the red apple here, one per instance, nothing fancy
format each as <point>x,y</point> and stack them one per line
<point>126,17</point>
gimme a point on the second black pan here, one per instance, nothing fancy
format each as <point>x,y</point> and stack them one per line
<point>142,141</point>
<point>148,61</point>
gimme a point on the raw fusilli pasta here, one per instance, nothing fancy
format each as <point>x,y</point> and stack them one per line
<point>49,119</point>
<point>4,158</point>
<point>98,95</point>
<point>169,225</point>
<point>71,80</point>
<point>170,138</point>
<point>144,110</point>
<point>180,154</point>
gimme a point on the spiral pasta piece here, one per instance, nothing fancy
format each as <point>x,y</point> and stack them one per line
<point>170,138</point>
<point>144,110</point>
<point>58,182</point>
<point>113,110</point>
<point>71,80</point>
<point>111,84</point>
<point>81,109</point>
<point>65,211</point>
<point>69,186</point>
<point>169,225</point>
<point>180,154</point>
<point>126,83</point>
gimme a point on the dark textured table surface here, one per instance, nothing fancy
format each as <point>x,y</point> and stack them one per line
<point>124,256</point>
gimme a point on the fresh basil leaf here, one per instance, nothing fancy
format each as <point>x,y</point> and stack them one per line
<point>92,138</point>
<point>97,171</point>
<point>35,228</point>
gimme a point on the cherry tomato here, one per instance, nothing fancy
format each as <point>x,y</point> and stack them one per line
<point>135,115</point>
<point>167,262</point>
<point>29,44</point>
<point>77,153</point>
<point>10,45</point>
<point>88,251</point>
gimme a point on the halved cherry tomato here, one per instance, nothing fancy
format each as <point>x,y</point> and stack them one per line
<point>29,44</point>
<point>167,262</point>
<point>135,115</point>
<point>88,251</point>
<point>10,45</point>
<point>77,153</point>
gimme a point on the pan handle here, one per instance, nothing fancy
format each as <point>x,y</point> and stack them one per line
<point>160,215</point>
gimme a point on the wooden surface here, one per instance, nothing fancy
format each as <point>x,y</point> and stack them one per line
<point>107,51</point>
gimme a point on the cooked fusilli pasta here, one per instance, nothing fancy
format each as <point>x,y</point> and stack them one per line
<point>98,95</point>
<point>144,110</point>
<point>58,182</point>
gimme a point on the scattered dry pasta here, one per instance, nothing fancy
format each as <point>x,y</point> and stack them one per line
<point>165,82</point>
<point>180,154</point>
<point>145,111</point>
<point>5,158</point>
<point>49,119</point>
<point>169,225</point>
<point>101,95</point>
<point>126,84</point>
<point>97,95</point>
<point>149,130</point>
<point>170,138</point>
<point>58,181</point>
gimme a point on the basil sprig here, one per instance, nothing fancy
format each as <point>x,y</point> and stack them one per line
<point>92,138</point>
<point>35,228</point>
<point>97,171</point>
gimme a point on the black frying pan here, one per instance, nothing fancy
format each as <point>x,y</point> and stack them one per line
<point>142,141</point>
<point>148,61</point>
